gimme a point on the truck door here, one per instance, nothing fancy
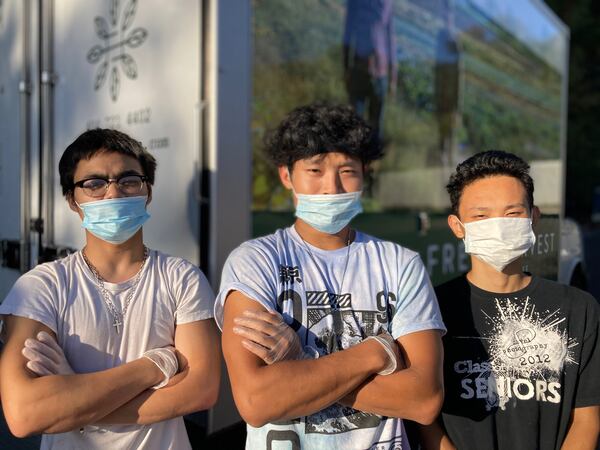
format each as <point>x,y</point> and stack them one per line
<point>17,180</point>
<point>123,65</point>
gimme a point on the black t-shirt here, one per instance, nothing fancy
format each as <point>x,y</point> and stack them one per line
<point>516,364</point>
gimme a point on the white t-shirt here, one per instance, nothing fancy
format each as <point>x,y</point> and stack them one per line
<point>385,286</point>
<point>64,296</point>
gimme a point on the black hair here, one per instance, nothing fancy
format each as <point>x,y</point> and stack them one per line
<point>487,164</point>
<point>319,128</point>
<point>102,140</point>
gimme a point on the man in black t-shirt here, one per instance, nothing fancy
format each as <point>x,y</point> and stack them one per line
<point>522,354</point>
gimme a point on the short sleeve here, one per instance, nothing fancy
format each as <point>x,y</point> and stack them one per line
<point>253,273</point>
<point>35,296</point>
<point>417,308</point>
<point>193,295</point>
<point>588,388</point>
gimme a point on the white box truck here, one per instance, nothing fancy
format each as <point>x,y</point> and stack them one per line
<point>199,82</point>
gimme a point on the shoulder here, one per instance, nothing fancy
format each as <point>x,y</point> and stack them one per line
<point>576,298</point>
<point>170,261</point>
<point>175,265</point>
<point>50,273</point>
<point>452,287</point>
<point>184,280</point>
<point>388,249</point>
<point>265,248</point>
<point>38,293</point>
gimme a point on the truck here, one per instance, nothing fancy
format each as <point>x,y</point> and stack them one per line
<point>200,82</point>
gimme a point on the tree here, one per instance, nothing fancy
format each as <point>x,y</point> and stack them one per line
<point>583,135</point>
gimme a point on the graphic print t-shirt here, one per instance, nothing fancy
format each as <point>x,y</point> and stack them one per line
<point>516,364</point>
<point>384,287</point>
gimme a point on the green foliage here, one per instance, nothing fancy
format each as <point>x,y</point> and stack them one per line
<point>583,135</point>
<point>510,97</point>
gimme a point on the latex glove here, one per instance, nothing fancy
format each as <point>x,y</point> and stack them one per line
<point>165,359</point>
<point>267,335</point>
<point>390,346</point>
<point>45,357</point>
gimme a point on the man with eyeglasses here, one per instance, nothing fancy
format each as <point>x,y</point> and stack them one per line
<point>110,346</point>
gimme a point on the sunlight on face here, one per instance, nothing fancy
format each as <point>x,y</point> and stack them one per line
<point>494,196</point>
<point>327,173</point>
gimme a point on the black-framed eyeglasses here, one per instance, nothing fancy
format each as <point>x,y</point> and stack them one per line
<point>97,187</point>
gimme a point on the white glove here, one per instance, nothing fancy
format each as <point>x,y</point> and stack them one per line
<point>270,338</point>
<point>391,348</point>
<point>45,357</point>
<point>166,360</point>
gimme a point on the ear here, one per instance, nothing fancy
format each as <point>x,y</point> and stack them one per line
<point>535,216</point>
<point>285,177</point>
<point>149,199</point>
<point>456,227</point>
<point>72,205</point>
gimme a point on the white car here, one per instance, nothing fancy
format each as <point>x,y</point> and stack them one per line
<point>571,268</point>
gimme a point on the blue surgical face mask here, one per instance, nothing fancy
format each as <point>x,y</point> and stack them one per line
<point>328,213</point>
<point>114,220</point>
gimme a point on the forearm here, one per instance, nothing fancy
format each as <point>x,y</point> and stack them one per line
<point>403,394</point>
<point>291,389</point>
<point>59,403</point>
<point>415,392</point>
<point>581,438</point>
<point>434,437</point>
<point>195,388</point>
<point>584,429</point>
<point>186,393</point>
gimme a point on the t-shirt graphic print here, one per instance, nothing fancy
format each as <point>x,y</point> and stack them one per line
<point>528,350</point>
<point>516,364</point>
<point>333,300</point>
<point>333,324</point>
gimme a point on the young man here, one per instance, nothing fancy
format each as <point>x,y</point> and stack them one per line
<point>341,292</point>
<point>108,347</point>
<point>522,354</point>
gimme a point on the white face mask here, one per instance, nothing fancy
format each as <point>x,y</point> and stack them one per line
<point>499,241</point>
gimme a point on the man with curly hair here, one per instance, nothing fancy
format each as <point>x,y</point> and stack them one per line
<point>330,336</point>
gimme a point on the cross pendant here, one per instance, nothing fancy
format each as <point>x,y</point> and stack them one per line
<point>117,323</point>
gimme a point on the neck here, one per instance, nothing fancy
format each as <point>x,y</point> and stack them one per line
<point>485,277</point>
<point>115,263</point>
<point>324,241</point>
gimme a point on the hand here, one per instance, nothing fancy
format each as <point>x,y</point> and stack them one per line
<point>166,360</point>
<point>268,336</point>
<point>394,359</point>
<point>45,357</point>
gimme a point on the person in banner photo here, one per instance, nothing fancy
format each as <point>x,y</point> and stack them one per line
<point>522,354</point>
<point>108,347</point>
<point>370,58</point>
<point>330,336</point>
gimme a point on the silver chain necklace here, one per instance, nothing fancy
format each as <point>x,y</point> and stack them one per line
<point>117,316</point>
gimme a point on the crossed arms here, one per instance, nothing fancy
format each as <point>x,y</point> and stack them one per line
<point>294,388</point>
<point>60,403</point>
